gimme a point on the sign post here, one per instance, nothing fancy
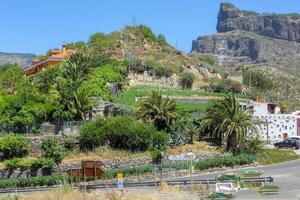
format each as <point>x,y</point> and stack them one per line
<point>192,156</point>
<point>120,181</point>
<point>185,157</point>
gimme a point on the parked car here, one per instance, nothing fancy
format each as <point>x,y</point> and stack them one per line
<point>287,144</point>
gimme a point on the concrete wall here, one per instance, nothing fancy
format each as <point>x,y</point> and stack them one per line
<point>276,125</point>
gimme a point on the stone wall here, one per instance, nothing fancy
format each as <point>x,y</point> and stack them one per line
<point>108,165</point>
<point>36,141</point>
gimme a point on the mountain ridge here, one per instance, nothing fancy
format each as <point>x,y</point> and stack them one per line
<point>21,59</point>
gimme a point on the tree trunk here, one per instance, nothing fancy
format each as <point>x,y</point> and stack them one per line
<point>231,142</point>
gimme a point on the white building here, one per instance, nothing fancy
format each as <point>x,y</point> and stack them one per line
<point>272,125</point>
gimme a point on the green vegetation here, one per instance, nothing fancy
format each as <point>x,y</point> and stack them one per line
<point>52,149</point>
<point>226,121</point>
<point>254,145</point>
<point>127,97</point>
<point>13,146</point>
<point>156,109</point>
<point>116,132</point>
<point>258,80</point>
<point>228,161</point>
<point>70,142</point>
<point>15,163</point>
<point>208,59</point>
<point>186,80</point>
<point>268,189</point>
<point>32,181</point>
<point>225,85</point>
<point>162,71</point>
<point>272,156</point>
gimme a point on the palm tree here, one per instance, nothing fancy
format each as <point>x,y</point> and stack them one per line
<point>157,109</point>
<point>228,121</point>
<point>75,98</point>
<point>190,129</point>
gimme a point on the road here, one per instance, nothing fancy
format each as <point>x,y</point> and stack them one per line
<point>286,175</point>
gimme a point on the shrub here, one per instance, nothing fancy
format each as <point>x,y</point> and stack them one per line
<point>161,39</point>
<point>121,132</point>
<point>162,71</point>
<point>13,146</point>
<point>254,145</point>
<point>258,80</point>
<point>157,156</point>
<point>70,142</point>
<point>44,163</point>
<point>125,133</point>
<point>92,134</point>
<point>208,59</point>
<point>226,85</point>
<point>16,163</point>
<point>145,32</point>
<point>32,181</point>
<point>52,149</point>
<point>186,80</point>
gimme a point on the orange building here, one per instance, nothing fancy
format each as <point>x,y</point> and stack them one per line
<point>57,56</point>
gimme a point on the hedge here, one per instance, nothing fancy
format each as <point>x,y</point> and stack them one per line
<point>44,163</point>
<point>32,181</point>
<point>228,161</point>
<point>13,146</point>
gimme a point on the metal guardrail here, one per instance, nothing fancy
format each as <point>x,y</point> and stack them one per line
<point>137,184</point>
<point>181,182</point>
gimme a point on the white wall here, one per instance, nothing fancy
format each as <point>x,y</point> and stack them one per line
<point>277,125</point>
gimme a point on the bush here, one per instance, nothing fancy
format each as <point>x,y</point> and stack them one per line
<point>53,150</point>
<point>92,134</point>
<point>161,39</point>
<point>226,85</point>
<point>208,59</point>
<point>145,32</point>
<point>186,80</point>
<point>258,80</point>
<point>70,142</point>
<point>44,163</point>
<point>16,163</point>
<point>32,181</point>
<point>121,132</point>
<point>254,145</point>
<point>13,146</point>
<point>125,133</point>
<point>162,71</point>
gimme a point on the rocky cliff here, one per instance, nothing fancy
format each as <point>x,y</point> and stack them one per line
<point>21,59</point>
<point>280,26</point>
<point>249,38</point>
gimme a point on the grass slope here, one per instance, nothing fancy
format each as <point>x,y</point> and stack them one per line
<point>128,96</point>
<point>272,156</point>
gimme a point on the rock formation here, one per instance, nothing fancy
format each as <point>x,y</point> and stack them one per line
<point>280,26</point>
<point>251,38</point>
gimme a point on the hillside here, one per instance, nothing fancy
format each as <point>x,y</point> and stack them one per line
<point>21,59</point>
<point>152,60</point>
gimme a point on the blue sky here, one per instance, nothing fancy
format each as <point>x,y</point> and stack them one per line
<point>34,26</point>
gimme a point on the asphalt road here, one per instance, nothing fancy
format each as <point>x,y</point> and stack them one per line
<point>286,175</point>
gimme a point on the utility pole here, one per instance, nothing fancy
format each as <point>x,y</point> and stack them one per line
<point>249,76</point>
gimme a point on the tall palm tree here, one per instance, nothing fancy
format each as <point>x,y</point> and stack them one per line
<point>75,99</point>
<point>228,121</point>
<point>157,109</point>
